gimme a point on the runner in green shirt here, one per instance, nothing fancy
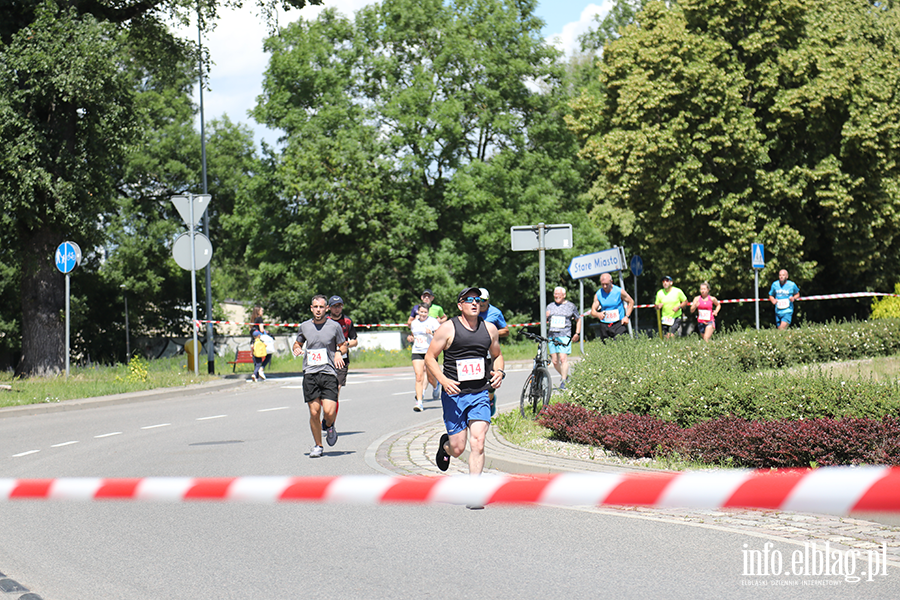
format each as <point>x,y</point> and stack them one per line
<point>669,302</point>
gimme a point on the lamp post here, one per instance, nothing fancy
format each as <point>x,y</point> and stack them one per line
<point>127,338</point>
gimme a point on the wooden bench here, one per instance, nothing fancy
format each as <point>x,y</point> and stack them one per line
<point>241,357</point>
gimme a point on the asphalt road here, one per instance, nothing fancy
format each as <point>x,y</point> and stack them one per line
<point>217,551</point>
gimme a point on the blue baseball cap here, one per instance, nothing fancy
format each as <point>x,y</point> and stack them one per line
<point>335,300</point>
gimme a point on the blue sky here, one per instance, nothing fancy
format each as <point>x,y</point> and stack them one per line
<point>236,50</point>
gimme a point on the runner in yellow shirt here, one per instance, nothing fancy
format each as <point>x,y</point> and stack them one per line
<point>669,301</point>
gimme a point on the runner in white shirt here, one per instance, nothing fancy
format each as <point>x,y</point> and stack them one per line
<point>422,328</point>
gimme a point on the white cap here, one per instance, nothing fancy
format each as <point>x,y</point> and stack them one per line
<point>484,294</point>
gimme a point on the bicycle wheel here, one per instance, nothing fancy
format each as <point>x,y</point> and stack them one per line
<point>541,390</point>
<point>525,398</point>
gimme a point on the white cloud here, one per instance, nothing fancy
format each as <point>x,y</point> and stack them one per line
<point>236,51</point>
<point>567,40</point>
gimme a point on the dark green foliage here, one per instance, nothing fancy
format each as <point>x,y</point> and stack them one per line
<point>753,375</point>
<point>732,441</point>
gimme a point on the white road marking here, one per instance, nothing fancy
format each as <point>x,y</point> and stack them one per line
<point>213,417</point>
<point>63,444</point>
<point>403,393</point>
<point>292,387</point>
<point>155,426</point>
<point>271,409</point>
<point>105,435</point>
<point>25,453</point>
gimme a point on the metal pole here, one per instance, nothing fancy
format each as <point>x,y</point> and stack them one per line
<point>636,326</point>
<point>581,313</point>
<point>68,335</point>
<point>210,339</point>
<point>756,294</point>
<point>543,280</point>
<point>622,285</point>
<point>127,338</point>
<point>194,290</point>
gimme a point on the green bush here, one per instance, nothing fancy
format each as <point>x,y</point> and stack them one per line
<point>748,374</point>
<point>887,307</point>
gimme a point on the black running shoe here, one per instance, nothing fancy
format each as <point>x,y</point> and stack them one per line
<point>442,460</point>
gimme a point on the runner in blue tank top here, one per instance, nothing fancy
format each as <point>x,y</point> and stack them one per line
<point>783,294</point>
<point>613,306</point>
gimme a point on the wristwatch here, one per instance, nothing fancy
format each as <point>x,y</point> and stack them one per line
<point>502,371</point>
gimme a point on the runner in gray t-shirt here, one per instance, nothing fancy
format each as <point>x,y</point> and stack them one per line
<point>325,343</point>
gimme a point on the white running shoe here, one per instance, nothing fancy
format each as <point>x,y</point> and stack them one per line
<point>418,406</point>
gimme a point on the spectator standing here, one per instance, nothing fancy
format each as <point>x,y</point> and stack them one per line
<point>613,306</point>
<point>669,302</point>
<point>258,351</point>
<point>269,341</point>
<point>321,343</point>
<point>257,323</point>
<point>782,295</point>
<point>561,314</point>
<point>707,308</point>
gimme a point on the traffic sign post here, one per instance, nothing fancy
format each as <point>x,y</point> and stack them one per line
<point>191,208</point>
<point>68,256</point>
<point>757,261</point>
<point>541,237</point>
<point>637,268</point>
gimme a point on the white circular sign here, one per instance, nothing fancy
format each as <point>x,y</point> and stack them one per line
<point>181,250</point>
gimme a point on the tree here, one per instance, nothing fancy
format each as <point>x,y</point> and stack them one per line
<point>413,141</point>
<point>722,123</point>
<point>67,117</point>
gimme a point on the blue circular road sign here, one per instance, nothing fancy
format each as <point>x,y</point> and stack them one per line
<point>636,265</point>
<point>68,256</point>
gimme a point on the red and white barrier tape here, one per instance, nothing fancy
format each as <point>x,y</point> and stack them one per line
<point>371,325</point>
<point>802,298</point>
<point>831,490</point>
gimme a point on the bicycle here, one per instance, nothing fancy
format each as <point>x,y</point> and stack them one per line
<point>539,386</point>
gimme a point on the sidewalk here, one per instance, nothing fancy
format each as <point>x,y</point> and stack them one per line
<point>412,451</point>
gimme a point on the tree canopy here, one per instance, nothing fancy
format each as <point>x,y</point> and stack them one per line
<point>415,136</point>
<point>719,124</point>
<point>68,116</point>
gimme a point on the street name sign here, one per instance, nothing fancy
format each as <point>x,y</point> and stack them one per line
<point>597,263</point>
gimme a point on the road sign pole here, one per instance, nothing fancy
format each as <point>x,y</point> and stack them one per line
<point>622,285</point>
<point>581,314</point>
<point>756,294</point>
<point>68,327</point>
<point>637,327</point>
<point>541,264</point>
<point>193,290</point>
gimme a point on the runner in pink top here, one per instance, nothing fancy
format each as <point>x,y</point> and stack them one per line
<point>706,307</point>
